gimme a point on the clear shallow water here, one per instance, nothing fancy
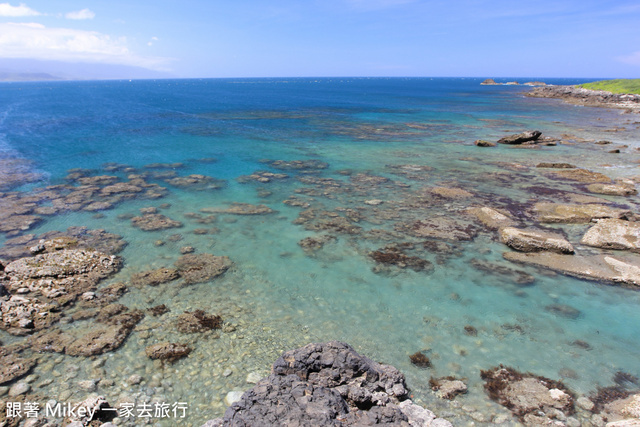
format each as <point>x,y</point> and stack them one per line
<point>278,296</point>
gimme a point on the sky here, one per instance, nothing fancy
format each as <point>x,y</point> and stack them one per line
<point>289,38</point>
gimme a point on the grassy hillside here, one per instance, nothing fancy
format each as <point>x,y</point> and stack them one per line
<point>615,86</point>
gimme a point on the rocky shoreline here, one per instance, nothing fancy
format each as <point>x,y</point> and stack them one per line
<point>57,301</point>
<point>587,97</point>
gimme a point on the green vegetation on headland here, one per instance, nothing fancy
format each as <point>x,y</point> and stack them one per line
<point>615,86</point>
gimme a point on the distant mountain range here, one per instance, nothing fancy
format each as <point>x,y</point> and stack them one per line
<point>35,70</point>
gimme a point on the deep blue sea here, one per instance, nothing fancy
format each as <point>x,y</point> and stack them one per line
<point>383,139</point>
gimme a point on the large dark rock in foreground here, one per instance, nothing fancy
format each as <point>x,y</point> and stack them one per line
<point>328,384</point>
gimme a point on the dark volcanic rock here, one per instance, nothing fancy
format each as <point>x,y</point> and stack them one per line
<point>328,384</point>
<point>521,138</point>
<point>199,268</point>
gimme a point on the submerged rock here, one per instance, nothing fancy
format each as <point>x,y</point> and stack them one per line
<point>262,176</point>
<point>328,384</point>
<point>241,209</point>
<point>530,240</point>
<point>21,315</point>
<point>153,222</point>
<point>93,409</point>
<point>197,182</point>
<point>199,268</point>
<point>531,398</point>
<point>439,227</point>
<point>577,214</point>
<point>521,138</point>
<point>99,340</point>
<point>614,234</point>
<point>393,255</point>
<point>168,351</point>
<point>447,387</point>
<point>198,321</point>
<point>610,269</point>
<point>298,165</point>
<point>13,366</point>
<point>154,277</point>
<point>314,243</point>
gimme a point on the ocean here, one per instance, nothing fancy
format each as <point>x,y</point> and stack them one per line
<point>373,150</point>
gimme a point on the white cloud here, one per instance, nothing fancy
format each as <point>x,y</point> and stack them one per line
<point>80,14</point>
<point>153,39</point>
<point>32,40</point>
<point>22,10</point>
<point>632,58</point>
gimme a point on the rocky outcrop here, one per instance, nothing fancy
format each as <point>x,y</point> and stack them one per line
<point>154,277</point>
<point>54,241</point>
<point>262,176</point>
<point>314,243</point>
<point>297,165</point>
<point>620,188</point>
<point>199,268</point>
<point>579,175</point>
<point>552,165</point>
<point>328,384</point>
<point>615,270</point>
<point>154,222</point>
<point>439,227</point>
<point>447,387</point>
<point>614,234</point>
<point>593,98</point>
<point>241,209</point>
<point>533,399</point>
<point>491,218</point>
<point>196,182</point>
<point>577,214</point>
<point>489,82</point>
<point>21,315</point>
<point>623,412</point>
<point>483,143</point>
<point>527,137</point>
<point>13,366</point>
<point>530,240</point>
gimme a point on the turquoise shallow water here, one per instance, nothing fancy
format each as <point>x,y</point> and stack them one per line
<point>280,297</point>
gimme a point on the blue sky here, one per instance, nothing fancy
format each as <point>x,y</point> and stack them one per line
<point>251,38</point>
